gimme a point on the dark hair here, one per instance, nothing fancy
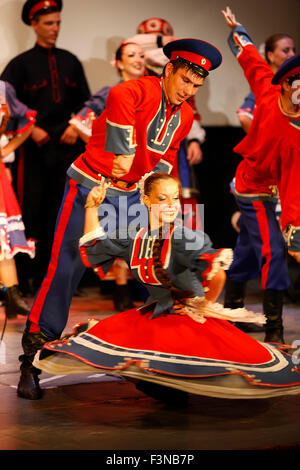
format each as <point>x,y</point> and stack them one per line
<point>180,63</point>
<point>161,273</point>
<point>119,52</point>
<point>154,178</point>
<point>292,78</point>
<point>271,42</point>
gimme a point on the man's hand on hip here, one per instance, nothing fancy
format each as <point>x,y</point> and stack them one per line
<point>122,165</point>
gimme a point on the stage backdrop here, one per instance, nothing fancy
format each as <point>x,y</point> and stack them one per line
<point>93,29</point>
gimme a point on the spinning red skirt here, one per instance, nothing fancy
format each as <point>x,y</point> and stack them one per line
<point>12,236</point>
<point>212,358</point>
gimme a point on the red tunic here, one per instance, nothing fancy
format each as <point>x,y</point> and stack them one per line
<point>136,120</point>
<point>270,150</point>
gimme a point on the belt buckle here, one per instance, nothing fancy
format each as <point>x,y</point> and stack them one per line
<point>120,183</point>
<point>123,184</point>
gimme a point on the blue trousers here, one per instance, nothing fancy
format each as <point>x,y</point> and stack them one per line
<point>260,249</point>
<point>50,310</point>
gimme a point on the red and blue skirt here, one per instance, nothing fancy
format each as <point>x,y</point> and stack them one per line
<point>212,358</point>
<point>12,230</point>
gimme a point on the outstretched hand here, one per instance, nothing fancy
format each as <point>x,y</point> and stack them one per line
<point>96,196</point>
<point>230,18</point>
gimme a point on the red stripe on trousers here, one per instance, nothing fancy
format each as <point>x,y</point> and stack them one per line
<point>34,315</point>
<point>265,236</point>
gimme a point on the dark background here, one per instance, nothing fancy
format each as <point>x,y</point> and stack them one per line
<point>213,176</point>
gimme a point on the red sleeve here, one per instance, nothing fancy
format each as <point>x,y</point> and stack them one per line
<point>121,105</point>
<point>289,187</point>
<point>257,71</point>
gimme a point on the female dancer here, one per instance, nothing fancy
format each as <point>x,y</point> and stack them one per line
<point>16,122</point>
<point>179,338</point>
<point>130,64</point>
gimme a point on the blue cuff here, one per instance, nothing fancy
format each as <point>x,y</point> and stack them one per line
<point>119,139</point>
<point>292,235</point>
<point>244,37</point>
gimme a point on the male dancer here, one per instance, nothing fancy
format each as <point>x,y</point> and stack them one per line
<point>270,162</point>
<point>140,131</point>
<point>51,81</point>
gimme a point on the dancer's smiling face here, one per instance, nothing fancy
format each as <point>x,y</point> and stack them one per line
<point>163,202</point>
<point>132,62</point>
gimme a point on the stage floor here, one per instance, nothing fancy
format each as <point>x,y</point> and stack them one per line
<point>99,412</point>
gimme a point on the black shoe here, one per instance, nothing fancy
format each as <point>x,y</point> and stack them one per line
<point>234,298</point>
<point>249,327</point>
<point>235,293</point>
<point>274,336</point>
<point>14,304</point>
<point>29,386</point>
<point>272,306</point>
<point>122,298</point>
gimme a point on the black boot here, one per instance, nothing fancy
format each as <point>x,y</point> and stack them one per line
<point>272,306</point>
<point>235,293</point>
<point>28,386</point>
<point>14,304</point>
<point>122,298</point>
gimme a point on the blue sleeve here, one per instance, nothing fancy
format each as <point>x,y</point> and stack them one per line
<point>243,37</point>
<point>248,104</point>
<point>20,115</point>
<point>95,103</point>
<point>188,245</point>
<point>100,250</point>
<point>193,249</point>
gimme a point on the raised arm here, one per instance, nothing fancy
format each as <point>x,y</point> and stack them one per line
<point>257,72</point>
<point>230,18</point>
<point>98,249</point>
<point>95,197</point>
